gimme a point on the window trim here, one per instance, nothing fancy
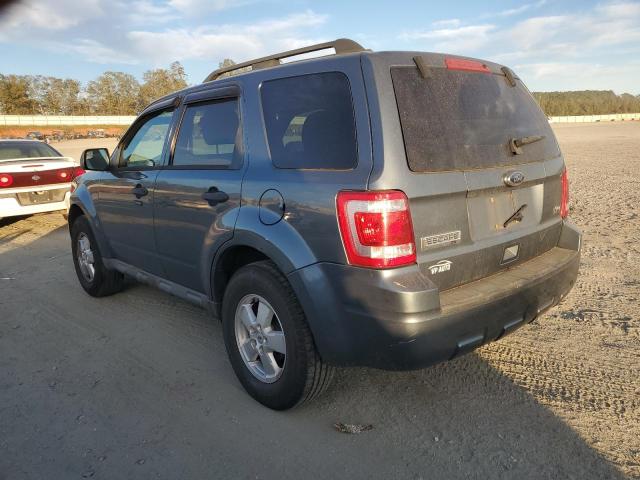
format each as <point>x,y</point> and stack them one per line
<point>199,98</point>
<point>354,116</point>
<point>133,130</point>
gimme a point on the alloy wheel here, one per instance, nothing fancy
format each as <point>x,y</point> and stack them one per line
<point>260,338</point>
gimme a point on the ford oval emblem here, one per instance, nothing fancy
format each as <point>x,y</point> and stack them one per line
<point>513,179</point>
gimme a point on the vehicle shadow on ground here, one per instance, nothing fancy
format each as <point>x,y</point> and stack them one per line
<point>6,221</point>
<point>20,233</point>
<point>142,388</point>
<point>463,418</point>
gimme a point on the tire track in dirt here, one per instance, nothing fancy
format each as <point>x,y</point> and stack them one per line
<point>574,383</point>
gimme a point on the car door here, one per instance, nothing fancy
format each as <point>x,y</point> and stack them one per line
<point>197,194</point>
<point>126,194</point>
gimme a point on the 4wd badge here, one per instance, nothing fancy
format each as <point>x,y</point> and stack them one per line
<point>441,266</point>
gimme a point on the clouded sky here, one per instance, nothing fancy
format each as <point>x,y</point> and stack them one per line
<point>553,45</point>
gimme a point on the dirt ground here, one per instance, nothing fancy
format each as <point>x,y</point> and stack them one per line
<point>74,148</point>
<point>138,385</point>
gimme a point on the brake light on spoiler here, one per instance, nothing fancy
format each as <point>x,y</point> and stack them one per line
<point>466,65</point>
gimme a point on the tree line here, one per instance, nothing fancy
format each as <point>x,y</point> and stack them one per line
<point>587,102</point>
<point>118,93</point>
<point>112,93</point>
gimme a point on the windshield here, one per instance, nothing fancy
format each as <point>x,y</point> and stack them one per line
<point>17,150</point>
<point>465,120</point>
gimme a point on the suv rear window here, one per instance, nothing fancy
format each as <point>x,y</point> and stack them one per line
<point>456,120</point>
<point>309,121</point>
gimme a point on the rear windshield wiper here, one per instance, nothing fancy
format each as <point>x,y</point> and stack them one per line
<point>516,143</point>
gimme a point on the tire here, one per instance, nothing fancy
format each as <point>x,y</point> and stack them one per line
<point>302,376</point>
<point>104,281</point>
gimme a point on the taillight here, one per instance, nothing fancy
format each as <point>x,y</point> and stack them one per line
<point>466,65</point>
<point>376,228</point>
<point>564,199</point>
<point>6,180</point>
<point>64,175</point>
<point>77,172</point>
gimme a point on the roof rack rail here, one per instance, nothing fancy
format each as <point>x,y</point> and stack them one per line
<point>341,46</point>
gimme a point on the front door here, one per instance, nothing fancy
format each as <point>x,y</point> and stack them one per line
<point>126,195</point>
<point>197,195</point>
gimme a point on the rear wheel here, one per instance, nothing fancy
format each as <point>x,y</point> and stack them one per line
<point>268,340</point>
<point>96,279</point>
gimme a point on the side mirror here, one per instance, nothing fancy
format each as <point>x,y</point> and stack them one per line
<point>96,159</point>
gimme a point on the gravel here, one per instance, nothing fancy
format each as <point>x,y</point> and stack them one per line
<point>138,385</point>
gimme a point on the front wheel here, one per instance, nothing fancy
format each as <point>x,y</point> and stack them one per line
<point>268,341</point>
<point>96,279</point>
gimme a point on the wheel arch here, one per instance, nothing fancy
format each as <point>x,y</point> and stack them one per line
<point>74,212</point>
<point>78,209</point>
<point>277,243</point>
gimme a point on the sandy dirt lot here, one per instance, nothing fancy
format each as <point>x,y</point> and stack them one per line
<point>138,385</point>
<point>74,148</point>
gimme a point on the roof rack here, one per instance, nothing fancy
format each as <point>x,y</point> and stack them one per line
<point>341,46</point>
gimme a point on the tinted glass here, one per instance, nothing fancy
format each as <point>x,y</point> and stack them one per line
<point>209,135</point>
<point>144,148</point>
<point>15,150</point>
<point>464,120</point>
<point>309,121</point>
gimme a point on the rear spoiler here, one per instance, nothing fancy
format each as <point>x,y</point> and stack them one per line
<point>4,161</point>
<point>465,64</point>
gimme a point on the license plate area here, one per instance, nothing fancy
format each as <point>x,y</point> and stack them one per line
<point>491,211</point>
<point>41,196</point>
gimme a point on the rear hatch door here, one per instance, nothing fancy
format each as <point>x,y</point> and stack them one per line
<point>485,168</point>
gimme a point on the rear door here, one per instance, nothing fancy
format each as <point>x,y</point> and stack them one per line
<point>197,195</point>
<point>125,194</point>
<point>484,182</point>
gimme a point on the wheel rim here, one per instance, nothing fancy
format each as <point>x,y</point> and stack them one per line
<point>86,260</point>
<point>260,338</point>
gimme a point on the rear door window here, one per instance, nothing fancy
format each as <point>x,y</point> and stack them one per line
<point>309,121</point>
<point>457,120</point>
<point>210,135</point>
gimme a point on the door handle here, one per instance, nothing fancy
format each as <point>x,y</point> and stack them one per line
<point>214,196</point>
<point>139,191</point>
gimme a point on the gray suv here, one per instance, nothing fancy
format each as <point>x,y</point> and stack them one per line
<point>381,209</point>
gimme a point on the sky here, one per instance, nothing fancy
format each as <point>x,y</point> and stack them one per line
<point>552,45</point>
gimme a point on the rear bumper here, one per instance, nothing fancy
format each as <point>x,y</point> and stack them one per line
<point>398,320</point>
<point>10,206</point>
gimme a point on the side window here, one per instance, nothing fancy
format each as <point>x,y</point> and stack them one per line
<point>210,135</point>
<point>309,122</point>
<point>144,148</point>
